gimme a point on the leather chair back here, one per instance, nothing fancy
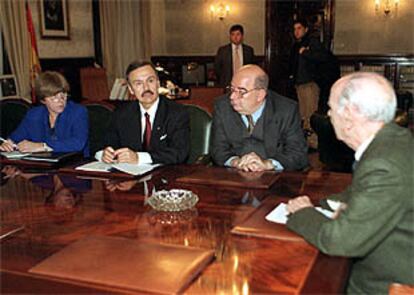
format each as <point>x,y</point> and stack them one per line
<point>12,112</point>
<point>100,115</point>
<point>200,125</point>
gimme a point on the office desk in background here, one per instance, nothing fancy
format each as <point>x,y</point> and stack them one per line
<point>242,265</point>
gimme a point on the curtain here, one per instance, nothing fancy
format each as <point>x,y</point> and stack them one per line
<point>125,34</point>
<point>17,43</point>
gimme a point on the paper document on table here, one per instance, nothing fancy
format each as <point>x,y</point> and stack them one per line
<point>280,214</point>
<point>132,169</point>
<point>14,155</point>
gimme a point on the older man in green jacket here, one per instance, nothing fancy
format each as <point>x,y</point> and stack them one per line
<point>375,225</point>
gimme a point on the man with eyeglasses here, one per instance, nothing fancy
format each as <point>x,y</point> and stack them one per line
<point>152,129</point>
<point>255,129</point>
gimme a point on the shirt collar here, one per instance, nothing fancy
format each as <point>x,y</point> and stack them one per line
<point>258,113</point>
<point>362,148</point>
<point>233,46</point>
<point>152,110</point>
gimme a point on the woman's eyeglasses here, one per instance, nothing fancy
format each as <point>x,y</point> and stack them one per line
<point>59,96</point>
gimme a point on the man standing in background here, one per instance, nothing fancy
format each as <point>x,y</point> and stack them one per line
<point>313,69</point>
<point>231,57</point>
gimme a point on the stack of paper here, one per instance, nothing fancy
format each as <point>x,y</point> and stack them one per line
<point>14,155</point>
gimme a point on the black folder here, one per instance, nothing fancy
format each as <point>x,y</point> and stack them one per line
<point>53,157</point>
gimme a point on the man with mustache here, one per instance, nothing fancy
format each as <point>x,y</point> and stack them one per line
<point>150,130</point>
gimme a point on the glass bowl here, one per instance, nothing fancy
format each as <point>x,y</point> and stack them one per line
<point>173,200</point>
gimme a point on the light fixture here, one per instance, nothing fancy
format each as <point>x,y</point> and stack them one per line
<point>220,11</point>
<point>386,7</point>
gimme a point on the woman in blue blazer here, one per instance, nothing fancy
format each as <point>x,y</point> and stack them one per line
<point>57,125</point>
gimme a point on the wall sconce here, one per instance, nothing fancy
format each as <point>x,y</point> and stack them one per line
<point>220,11</point>
<point>386,7</point>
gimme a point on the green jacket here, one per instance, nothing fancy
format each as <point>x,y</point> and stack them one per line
<point>377,228</point>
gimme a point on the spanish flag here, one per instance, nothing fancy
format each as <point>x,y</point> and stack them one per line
<point>35,68</point>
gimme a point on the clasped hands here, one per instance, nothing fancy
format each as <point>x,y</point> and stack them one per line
<point>251,162</point>
<point>122,155</point>
<point>25,146</point>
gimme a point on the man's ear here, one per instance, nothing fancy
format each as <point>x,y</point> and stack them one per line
<point>261,95</point>
<point>130,89</point>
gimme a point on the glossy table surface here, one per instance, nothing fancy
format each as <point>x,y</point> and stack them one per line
<point>57,209</point>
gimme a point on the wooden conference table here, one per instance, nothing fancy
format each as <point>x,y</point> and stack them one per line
<point>116,207</point>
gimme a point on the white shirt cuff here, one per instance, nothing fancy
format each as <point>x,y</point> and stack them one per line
<point>277,165</point>
<point>98,155</point>
<point>228,162</point>
<point>144,158</point>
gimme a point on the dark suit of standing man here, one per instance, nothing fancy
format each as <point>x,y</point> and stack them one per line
<point>376,224</point>
<point>273,138</point>
<point>130,141</point>
<point>313,70</point>
<point>224,62</point>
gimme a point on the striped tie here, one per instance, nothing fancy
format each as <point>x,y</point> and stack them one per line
<point>250,127</point>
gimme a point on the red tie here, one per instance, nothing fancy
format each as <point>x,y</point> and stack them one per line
<point>147,133</point>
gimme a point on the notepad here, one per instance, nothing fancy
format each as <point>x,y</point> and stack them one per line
<point>127,263</point>
<point>133,169</point>
<point>280,214</point>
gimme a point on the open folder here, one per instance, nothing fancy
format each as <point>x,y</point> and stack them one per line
<point>127,263</point>
<point>133,169</point>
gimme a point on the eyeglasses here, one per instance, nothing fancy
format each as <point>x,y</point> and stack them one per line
<point>59,96</point>
<point>240,92</point>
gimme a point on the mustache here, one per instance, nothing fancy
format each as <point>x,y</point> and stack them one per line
<point>147,92</point>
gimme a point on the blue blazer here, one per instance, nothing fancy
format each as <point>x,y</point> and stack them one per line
<point>69,135</point>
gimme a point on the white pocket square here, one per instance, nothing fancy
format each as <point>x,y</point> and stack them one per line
<point>163,137</point>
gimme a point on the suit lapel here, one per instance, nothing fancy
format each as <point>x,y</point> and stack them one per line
<point>159,122</point>
<point>270,138</point>
<point>230,58</point>
<point>245,58</point>
<point>136,109</point>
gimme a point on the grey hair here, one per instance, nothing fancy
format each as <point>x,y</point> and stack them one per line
<point>261,81</point>
<point>371,93</point>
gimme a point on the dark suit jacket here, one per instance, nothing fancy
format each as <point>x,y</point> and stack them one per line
<point>223,63</point>
<point>377,228</point>
<point>170,136</point>
<point>283,137</point>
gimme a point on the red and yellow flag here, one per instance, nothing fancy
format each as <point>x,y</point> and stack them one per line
<point>35,68</point>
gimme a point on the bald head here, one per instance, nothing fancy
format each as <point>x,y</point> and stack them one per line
<point>372,94</point>
<point>255,73</point>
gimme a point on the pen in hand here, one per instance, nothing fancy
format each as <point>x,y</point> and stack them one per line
<point>13,145</point>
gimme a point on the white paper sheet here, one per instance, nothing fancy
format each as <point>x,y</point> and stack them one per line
<point>14,155</point>
<point>132,169</point>
<point>280,214</point>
